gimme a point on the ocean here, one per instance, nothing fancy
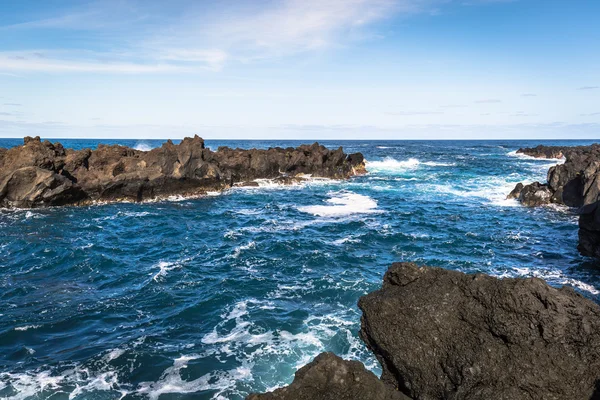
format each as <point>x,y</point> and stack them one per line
<point>220,296</point>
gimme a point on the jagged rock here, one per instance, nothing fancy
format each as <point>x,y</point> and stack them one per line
<point>40,173</point>
<point>532,195</point>
<point>516,192</point>
<point>575,183</point>
<point>442,334</point>
<point>328,377</point>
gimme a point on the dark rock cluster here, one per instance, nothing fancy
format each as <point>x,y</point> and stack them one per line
<point>39,174</point>
<point>575,183</point>
<point>442,334</point>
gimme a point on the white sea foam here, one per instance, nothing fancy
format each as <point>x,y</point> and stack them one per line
<point>142,146</point>
<point>26,327</point>
<point>553,275</point>
<point>240,249</point>
<point>114,354</point>
<point>165,266</point>
<point>345,240</point>
<point>527,157</point>
<point>390,164</point>
<point>343,204</point>
<point>172,382</point>
<point>492,190</point>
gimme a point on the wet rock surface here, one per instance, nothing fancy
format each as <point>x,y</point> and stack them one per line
<point>574,183</point>
<point>39,174</point>
<point>328,377</point>
<point>443,334</point>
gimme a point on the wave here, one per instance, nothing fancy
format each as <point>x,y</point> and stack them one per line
<point>492,189</point>
<point>551,275</point>
<point>390,164</point>
<point>141,146</point>
<point>531,158</point>
<point>343,204</point>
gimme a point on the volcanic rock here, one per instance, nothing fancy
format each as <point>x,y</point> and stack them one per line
<point>328,377</point>
<point>575,184</point>
<point>442,334</point>
<point>39,174</point>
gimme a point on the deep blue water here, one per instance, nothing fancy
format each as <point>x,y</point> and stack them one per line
<point>220,296</point>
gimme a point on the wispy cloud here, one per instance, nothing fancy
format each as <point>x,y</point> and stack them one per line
<point>588,87</point>
<point>488,101</point>
<point>594,114</point>
<point>139,37</point>
<point>13,104</point>
<point>529,95</point>
<point>412,113</point>
<point>36,61</point>
<point>523,114</point>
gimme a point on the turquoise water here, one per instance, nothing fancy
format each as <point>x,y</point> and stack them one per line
<point>220,296</point>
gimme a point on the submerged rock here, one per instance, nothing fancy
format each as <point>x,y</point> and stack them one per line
<point>39,174</point>
<point>442,334</point>
<point>328,377</point>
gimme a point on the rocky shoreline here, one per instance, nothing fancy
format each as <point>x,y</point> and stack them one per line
<point>443,334</point>
<point>575,183</point>
<point>41,174</point>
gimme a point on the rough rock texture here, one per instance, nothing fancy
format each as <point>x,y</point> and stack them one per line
<point>46,174</point>
<point>328,377</point>
<point>442,334</point>
<point>575,183</point>
<point>532,195</point>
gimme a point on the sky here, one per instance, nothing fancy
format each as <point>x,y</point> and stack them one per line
<point>300,69</point>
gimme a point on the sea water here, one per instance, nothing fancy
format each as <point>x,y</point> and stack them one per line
<point>217,297</point>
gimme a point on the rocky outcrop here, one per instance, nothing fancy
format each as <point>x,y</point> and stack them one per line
<point>575,183</point>
<point>542,151</point>
<point>442,334</point>
<point>531,195</point>
<point>328,377</point>
<point>39,174</point>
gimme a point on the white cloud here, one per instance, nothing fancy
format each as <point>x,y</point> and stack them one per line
<point>141,39</point>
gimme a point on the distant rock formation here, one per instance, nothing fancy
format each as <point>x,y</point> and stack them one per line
<point>542,151</point>
<point>442,334</point>
<point>39,174</point>
<point>575,183</point>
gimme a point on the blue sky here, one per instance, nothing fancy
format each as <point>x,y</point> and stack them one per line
<point>301,69</point>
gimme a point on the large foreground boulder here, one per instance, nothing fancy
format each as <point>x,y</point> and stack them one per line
<point>328,377</point>
<point>39,174</point>
<point>442,334</point>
